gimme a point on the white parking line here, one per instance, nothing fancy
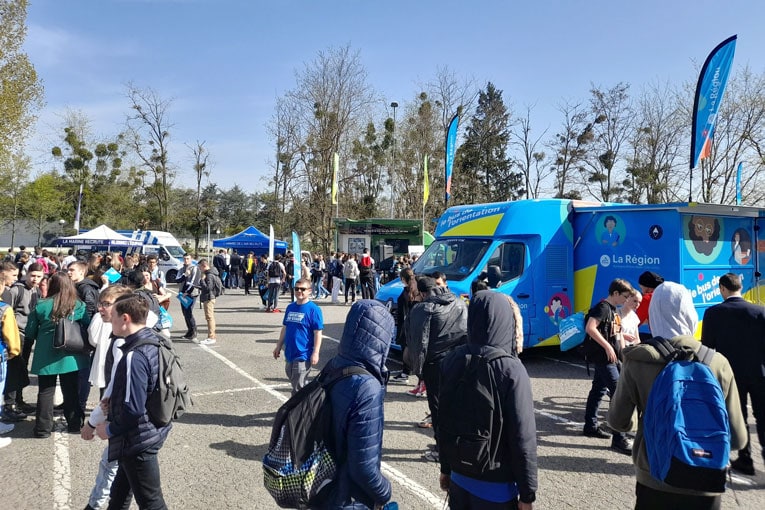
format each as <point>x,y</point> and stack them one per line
<point>62,485</point>
<point>392,473</point>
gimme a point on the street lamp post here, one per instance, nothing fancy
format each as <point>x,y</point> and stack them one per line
<point>393,105</point>
<point>61,223</point>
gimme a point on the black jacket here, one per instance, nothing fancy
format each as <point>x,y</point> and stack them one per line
<point>87,291</point>
<point>492,324</point>
<point>736,329</point>
<point>130,429</point>
<point>435,327</point>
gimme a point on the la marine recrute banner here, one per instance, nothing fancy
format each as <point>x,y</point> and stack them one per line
<point>709,94</point>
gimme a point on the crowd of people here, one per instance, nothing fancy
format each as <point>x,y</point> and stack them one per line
<point>121,301</point>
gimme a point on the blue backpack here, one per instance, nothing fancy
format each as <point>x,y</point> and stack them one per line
<point>685,423</point>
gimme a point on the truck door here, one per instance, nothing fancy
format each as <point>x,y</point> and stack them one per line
<point>506,269</point>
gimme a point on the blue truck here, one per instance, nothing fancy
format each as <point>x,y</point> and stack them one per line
<point>557,257</point>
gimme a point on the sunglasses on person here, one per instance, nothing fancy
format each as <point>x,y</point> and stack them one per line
<point>301,289</point>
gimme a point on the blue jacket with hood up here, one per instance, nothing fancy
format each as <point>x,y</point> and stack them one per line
<point>357,407</point>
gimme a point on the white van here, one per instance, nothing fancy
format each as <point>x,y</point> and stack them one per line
<point>165,246</point>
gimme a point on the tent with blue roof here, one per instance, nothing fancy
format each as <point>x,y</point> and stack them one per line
<point>250,239</point>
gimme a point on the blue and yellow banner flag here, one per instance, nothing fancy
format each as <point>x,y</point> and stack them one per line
<point>709,94</point>
<point>451,148</point>
<point>738,184</point>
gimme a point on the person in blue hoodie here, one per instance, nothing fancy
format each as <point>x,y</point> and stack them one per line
<point>357,407</point>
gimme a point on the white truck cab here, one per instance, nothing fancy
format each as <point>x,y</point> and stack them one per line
<point>167,248</point>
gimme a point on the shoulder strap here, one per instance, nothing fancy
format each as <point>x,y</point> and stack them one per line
<point>328,378</point>
<point>667,351</point>
<point>144,341</point>
<point>705,354</point>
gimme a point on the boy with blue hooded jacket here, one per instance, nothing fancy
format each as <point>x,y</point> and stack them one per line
<point>357,407</point>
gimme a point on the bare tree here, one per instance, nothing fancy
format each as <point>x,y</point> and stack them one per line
<point>202,211</point>
<point>330,103</point>
<point>528,156</point>
<point>655,169</point>
<point>611,118</point>
<point>569,148</point>
<point>149,136</point>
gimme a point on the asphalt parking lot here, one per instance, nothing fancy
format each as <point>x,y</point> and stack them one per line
<point>212,457</point>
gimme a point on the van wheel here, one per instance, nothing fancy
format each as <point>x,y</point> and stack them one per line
<point>170,276</point>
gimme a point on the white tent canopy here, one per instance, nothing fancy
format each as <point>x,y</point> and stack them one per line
<point>99,236</point>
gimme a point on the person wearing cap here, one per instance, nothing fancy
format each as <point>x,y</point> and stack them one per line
<point>648,281</point>
<point>434,328</point>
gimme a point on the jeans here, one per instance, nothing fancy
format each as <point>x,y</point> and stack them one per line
<point>273,295</point>
<point>47,389</point>
<point>138,476</point>
<point>603,381</point>
<point>99,496</point>
<point>297,372</point>
<point>188,316</point>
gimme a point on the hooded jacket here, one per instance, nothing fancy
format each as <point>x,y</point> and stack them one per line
<point>642,363</point>
<point>492,322</point>
<point>357,407</point>
<point>435,327</point>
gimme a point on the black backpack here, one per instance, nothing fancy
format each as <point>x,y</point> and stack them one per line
<point>275,270</point>
<point>300,465</point>
<point>171,396</point>
<point>470,413</point>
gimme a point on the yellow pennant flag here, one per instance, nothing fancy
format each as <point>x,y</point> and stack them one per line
<point>334,178</point>
<point>425,183</point>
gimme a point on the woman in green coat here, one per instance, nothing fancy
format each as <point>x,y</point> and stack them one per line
<point>48,362</point>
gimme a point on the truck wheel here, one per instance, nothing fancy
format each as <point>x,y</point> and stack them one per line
<point>170,276</point>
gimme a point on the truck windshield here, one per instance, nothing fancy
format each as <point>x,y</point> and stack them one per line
<point>175,251</point>
<point>456,258</point>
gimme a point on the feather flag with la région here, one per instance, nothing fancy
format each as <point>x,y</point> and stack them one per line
<point>709,93</point>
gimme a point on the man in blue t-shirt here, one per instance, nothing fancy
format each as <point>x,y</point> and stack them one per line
<point>300,336</point>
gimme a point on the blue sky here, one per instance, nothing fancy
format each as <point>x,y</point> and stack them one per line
<point>224,62</point>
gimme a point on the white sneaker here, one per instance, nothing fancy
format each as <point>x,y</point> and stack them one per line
<point>6,427</point>
<point>4,441</point>
<point>207,341</point>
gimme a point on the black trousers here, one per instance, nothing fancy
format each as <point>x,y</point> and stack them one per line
<point>16,379</point>
<point>350,286</point>
<point>368,287</point>
<point>247,282</point>
<point>651,499</point>
<point>47,389</point>
<point>431,374</point>
<point>755,388</point>
<point>138,475</point>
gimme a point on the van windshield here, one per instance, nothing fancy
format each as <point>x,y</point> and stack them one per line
<point>456,258</point>
<point>175,251</point>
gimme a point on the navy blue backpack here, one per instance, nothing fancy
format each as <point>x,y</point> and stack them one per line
<point>685,423</point>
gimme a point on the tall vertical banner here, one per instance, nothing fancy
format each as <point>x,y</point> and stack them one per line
<point>709,93</point>
<point>738,184</point>
<point>270,242</point>
<point>451,148</point>
<point>425,183</point>
<point>335,166</point>
<point>77,216</point>
<point>296,270</point>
